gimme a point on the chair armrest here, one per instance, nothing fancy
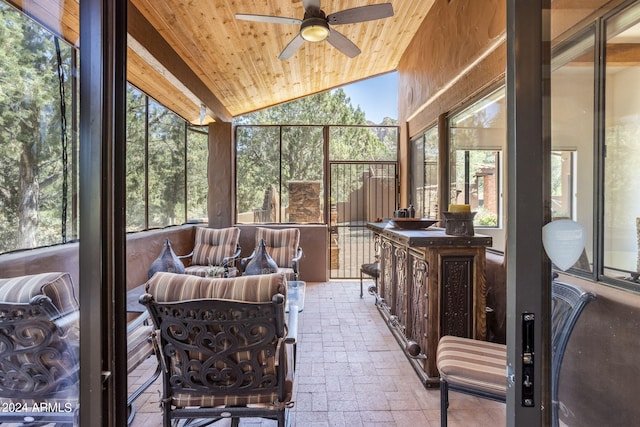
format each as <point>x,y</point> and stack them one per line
<point>142,319</point>
<point>294,261</point>
<point>183,257</point>
<point>245,261</point>
<point>230,260</point>
<point>68,320</point>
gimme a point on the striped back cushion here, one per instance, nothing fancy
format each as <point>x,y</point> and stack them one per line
<point>214,244</point>
<point>57,286</point>
<point>282,245</point>
<point>167,287</point>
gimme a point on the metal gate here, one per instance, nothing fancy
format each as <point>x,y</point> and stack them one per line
<point>359,192</point>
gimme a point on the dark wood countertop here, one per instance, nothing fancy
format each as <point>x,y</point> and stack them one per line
<point>432,236</point>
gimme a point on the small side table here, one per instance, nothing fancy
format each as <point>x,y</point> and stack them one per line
<point>295,295</point>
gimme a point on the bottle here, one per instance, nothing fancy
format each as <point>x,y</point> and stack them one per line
<point>412,211</point>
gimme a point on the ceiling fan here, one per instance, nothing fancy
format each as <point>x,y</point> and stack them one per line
<point>315,26</point>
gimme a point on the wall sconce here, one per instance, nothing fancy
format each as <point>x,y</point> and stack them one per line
<point>563,241</point>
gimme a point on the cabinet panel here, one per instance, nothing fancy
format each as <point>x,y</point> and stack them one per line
<point>418,324</point>
<point>387,268</point>
<point>400,285</point>
<point>456,297</point>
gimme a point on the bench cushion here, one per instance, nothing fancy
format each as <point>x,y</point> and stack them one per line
<point>213,244</point>
<point>57,286</point>
<point>179,287</point>
<point>473,363</point>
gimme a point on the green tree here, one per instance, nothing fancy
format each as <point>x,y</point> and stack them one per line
<point>30,135</point>
<point>263,163</point>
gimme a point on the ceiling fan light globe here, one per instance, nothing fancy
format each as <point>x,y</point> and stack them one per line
<point>314,30</point>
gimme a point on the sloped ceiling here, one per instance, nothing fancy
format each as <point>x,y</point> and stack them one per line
<point>190,53</point>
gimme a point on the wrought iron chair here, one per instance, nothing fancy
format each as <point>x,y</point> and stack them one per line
<point>38,363</point>
<point>372,270</point>
<point>214,247</point>
<point>224,346</point>
<point>479,367</point>
<point>283,246</point>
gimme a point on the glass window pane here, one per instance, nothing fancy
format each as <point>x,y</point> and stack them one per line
<point>622,126</point>
<point>166,167</point>
<point>302,173</point>
<point>572,107</point>
<point>37,144</point>
<point>424,174</point>
<point>136,159</point>
<point>258,174</point>
<point>363,143</point>
<point>478,136</point>
<point>197,183</point>
<point>39,159</point>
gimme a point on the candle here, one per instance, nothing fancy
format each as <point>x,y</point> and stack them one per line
<point>459,208</point>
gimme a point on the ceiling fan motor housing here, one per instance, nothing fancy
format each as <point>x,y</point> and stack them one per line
<point>314,29</point>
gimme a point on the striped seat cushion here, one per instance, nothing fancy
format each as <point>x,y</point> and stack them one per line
<point>182,400</point>
<point>179,287</point>
<point>466,362</point>
<point>214,244</point>
<point>57,286</point>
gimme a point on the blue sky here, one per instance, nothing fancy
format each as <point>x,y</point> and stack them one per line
<point>377,96</point>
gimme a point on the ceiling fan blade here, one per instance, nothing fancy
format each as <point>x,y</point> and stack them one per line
<point>267,18</point>
<point>343,44</point>
<point>311,4</point>
<point>292,47</point>
<point>361,14</point>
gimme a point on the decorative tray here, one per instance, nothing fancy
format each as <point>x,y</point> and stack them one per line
<point>413,223</point>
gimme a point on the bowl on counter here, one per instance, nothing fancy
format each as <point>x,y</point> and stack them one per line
<point>413,223</point>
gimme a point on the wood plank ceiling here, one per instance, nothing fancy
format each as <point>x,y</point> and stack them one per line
<point>238,60</point>
<point>188,53</point>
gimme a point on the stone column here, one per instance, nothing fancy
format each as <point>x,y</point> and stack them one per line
<point>304,201</point>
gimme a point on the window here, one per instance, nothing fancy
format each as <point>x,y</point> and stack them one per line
<point>595,123</point>
<point>197,177</point>
<point>477,140</point>
<point>621,147</point>
<point>38,146</point>
<point>162,187</point>
<point>280,169</point>
<point>279,173</point>
<point>424,174</point>
<point>572,130</point>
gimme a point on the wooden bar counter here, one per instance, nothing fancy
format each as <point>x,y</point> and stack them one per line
<point>431,284</point>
